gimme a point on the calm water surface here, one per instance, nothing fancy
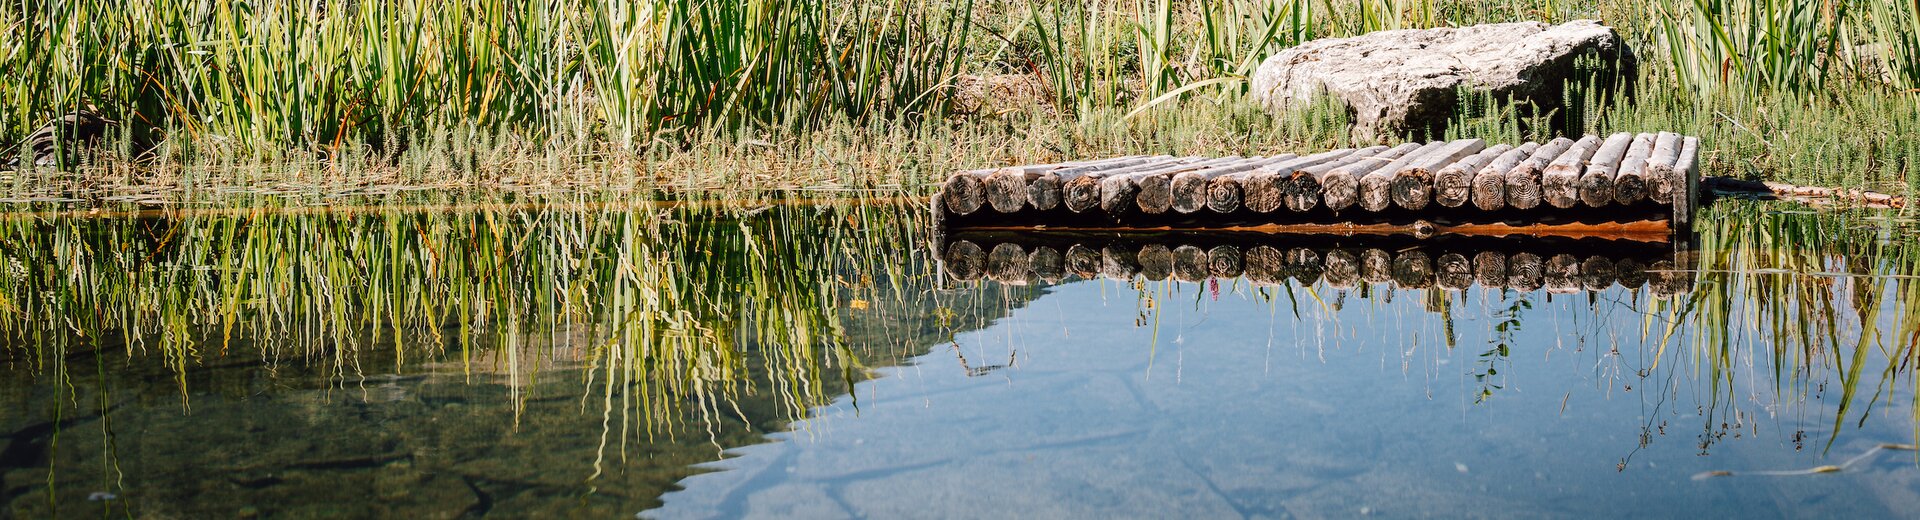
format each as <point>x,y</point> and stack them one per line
<point>840,362</point>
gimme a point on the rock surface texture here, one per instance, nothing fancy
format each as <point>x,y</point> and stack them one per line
<point>1407,81</point>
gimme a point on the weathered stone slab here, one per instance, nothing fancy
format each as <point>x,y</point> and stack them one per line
<point>1407,81</point>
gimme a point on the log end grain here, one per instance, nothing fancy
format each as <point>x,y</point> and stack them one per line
<point>1412,189</point>
<point>1374,195</point>
<point>1302,192</point>
<point>1007,190</point>
<point>1189,192</point>
<point>1453,187</point>
<point>1596,189</point>
<point>1489,191</point>
<point>1081,194</point>
<point>1156,195</point>
<point>964,194</point>
<point>1629,189</point>
<point>1223,195</point>
<point>1044,193</point>
<point>1262,192</point>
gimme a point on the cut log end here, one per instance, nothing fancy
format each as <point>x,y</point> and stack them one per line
<point>1044,193</point>
<point>964,194</point>
<point>1189,192</point>
<point>1489,192</point>
<point>1339,191</point>
<point>1007,190</point>
<point>1374,195</point>
<point>1156,195</point>
<point>1596,189</point>
<point>1081,195</point>
<point>1223,196</point>
<point>1412,189</point>
<point>1302,192</point>
<point>1262,193</point>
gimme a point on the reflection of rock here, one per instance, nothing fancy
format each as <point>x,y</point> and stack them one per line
<point>1397,82</point>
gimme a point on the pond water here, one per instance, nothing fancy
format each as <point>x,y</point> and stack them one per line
<point>576,358</point>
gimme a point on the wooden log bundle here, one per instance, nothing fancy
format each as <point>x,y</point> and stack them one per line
<point>1555,267</point>
<point>1628,174</point>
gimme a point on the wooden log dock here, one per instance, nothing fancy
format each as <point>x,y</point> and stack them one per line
<point>1591,180</point>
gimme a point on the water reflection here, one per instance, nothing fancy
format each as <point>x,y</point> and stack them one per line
<point>581,360</point>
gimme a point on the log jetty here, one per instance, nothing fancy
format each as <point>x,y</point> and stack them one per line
<point>1618,178</point>
<point>1556,264</point>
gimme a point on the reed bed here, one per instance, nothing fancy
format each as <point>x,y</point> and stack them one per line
<point>656,94</point>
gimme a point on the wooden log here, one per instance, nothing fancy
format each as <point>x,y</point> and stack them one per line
<point>1009,190</point>
<point>1262,190</point>
<point>964,193</point>
<point>1413,270</point>
<point>1047,263</point>
<point>1490,269</point>
<point>1413,185</point>
<point>1007,264</point>
<point>1119,262</point>
<point>1453,271</point>
<point>1265,265</point>
<point>1490,182</point>
<point>1563,274</point>
<point>1081,192</point>
<point>1453,185</point>
<point>1225,262</point>
<point>1340,185</point>
<point>1083,261</point>
<point>1630,185</point>
<point>1374,185</point>
<point>1560,183</point>
<point>1191,189</point>
<point>1596,183</point>
<point>1685,182</point>
<point>1526,272</point>
<point>1666,151</point>
<point>1300,190</point>
<point>1304,265</point>
<point>1117,192</point>
<point>1156,262</point>
<point>965,261</point>
<point>1044,193</point>
<point>1376,266</point>
<point>1189,263</point>
<point>1523,181</point>
<point>1632,273</point>
<point>1315,176</point>
<point>1342,269</point>
<point>1597,273</point>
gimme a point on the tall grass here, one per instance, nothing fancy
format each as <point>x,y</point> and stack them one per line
<point>588,87</point>
<point>266,75</point>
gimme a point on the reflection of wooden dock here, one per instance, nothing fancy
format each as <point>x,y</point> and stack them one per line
<point>1623,178</point>
<point>1558,265</point>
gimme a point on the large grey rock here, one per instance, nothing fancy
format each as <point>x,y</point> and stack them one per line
<point>1406,81</point>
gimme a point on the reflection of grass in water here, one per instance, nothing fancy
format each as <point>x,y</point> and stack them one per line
<point>694,325</point>
<point>1818,292</point>
<point>662,305</point>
